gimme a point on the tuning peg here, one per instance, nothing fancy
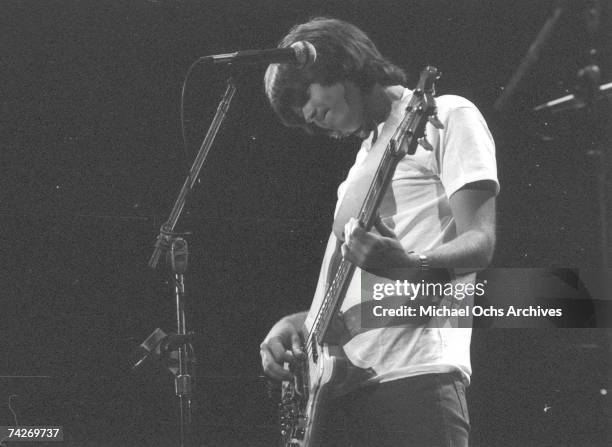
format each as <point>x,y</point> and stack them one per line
<point>433,119</point>
<point>425,144</point>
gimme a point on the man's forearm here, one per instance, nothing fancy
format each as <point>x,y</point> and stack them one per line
<point>472,250</point>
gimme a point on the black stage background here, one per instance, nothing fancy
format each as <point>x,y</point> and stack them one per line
<point>92,160</point>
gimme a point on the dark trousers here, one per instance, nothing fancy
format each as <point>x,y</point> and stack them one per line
<point>429,410</point>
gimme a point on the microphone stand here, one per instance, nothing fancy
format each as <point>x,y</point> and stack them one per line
<point>166,232</point>
<point>594,99</point>
<point>182,380</point>
<point>167,240</point>
<point>589,95</point>
<point>532,56</point>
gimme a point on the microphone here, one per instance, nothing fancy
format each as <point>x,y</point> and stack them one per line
<point>301,53</point>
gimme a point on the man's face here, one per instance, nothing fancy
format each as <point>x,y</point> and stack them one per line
<point>337,107</point>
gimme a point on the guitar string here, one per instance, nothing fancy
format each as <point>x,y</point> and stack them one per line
<point>323,314</point>
<point>365,214</point>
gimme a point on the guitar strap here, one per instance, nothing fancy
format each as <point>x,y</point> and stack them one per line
<point>360,318</point>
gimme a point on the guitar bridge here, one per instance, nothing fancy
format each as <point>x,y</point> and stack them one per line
<point>294,395</point>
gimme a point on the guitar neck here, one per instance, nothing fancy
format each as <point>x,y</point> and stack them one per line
<point>403,141</point>
<point>332,300</point>
<point>345,269</point>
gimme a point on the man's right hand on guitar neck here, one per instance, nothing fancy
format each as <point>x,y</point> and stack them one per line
<point>283,344</point>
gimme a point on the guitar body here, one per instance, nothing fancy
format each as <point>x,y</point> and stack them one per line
<point>305,400</point>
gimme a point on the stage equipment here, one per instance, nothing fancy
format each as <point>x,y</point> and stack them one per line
<point>168,241</point>
<point>594,100</point>
<point>300,53</point>
<point>590,96</point>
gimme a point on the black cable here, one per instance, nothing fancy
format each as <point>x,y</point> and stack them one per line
<point>182,113</point>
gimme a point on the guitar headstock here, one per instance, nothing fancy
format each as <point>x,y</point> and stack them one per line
<point>429,76</point>
<point>364,195</point>
<point>420,110</point>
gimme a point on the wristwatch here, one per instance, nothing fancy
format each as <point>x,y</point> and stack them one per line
<point>423,263</point>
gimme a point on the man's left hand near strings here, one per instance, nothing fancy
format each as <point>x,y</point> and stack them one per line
<point>374,252</point>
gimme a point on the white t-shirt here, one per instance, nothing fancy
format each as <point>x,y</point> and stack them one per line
<point>416,208</point>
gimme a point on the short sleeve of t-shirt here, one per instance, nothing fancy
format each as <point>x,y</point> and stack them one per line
<point>467,149</point>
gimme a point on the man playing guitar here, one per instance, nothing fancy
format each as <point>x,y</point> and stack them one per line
<point>437,213</point>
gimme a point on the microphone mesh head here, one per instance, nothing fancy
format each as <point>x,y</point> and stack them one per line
<point>305,53</point>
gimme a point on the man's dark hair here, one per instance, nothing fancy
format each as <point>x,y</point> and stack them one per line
<point>344,53</point>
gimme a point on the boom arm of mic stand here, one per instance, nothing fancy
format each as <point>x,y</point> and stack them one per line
<point>166,231</point>
<point>531,58</point>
